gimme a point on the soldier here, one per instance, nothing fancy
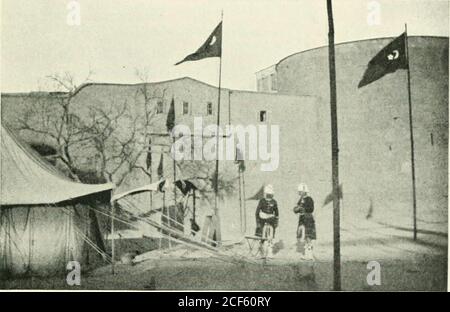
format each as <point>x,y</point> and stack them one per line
<point>267,211</point>
<point>306,230</point>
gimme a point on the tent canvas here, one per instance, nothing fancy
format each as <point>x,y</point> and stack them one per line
<point>29,180</point>
<point>39,240</point>
<point>44,217</point>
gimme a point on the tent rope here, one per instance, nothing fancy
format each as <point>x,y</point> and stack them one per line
<point>87,239</point>
<point>169,219</point>
<point>213,251</point>
<point>128,204</point>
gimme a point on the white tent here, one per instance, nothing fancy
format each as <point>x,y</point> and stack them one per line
<point>44,218</point>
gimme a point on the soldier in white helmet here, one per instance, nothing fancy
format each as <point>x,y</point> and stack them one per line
<point>306,230</point>
<point>267,210</point>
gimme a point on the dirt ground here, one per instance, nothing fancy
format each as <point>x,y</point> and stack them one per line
<point>212,274</point>
<point>405,265</point>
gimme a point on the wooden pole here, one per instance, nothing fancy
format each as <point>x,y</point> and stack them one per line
<point>216,175</point>
<point>229,107</point>
<point>244,202</point>
<point>240,201</point>
<point>334,151</point>
<point>411,135</point>
<point>174,179</point>
<point>113,252</point>
<point>164,213</point>
<point>193,205</point>
<point>150,151</point>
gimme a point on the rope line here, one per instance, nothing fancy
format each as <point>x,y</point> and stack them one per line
<point>197,245</point>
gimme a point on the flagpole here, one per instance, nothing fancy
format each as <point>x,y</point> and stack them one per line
<point>216,174</point>
<point>411,134</point>
<point>113,250</point>
<point>243,203</point>
<point>174,178</point>
<point>240,201</point>
<point>151,172</point>
<point>334,152</point>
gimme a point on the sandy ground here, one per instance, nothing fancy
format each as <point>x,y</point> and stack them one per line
<point>405,264</point>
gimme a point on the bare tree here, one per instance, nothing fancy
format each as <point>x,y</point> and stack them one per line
<point>53,119</point>
<point>119,147</point>
<point>115,136</point>
<point>204,172</point>
<point>121,139</point>
<point>150,98</point>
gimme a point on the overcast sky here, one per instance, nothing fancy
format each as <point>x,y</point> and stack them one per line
<point>116,37</point>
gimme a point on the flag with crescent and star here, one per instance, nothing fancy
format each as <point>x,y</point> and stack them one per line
<point>388,60</point>
<point>211,48</point>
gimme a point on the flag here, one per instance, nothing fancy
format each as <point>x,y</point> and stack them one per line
<point>211,48</point>
<point>388,60</point>
<point>185,186</point>
<point>149,155</point>
<point>161,167</point>
<point>170,121</point>
<point>330,196</point>
<point>239,159</point>
<point>161,186</point>
<point>258,195</point>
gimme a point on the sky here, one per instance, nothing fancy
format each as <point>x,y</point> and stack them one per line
<point>116,37</point>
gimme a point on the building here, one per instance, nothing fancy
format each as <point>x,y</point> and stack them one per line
<point>192,98</point>
<point>374,141</point>
<point>266,79</point>
<point>293,95</point>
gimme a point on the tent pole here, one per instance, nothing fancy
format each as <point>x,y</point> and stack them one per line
<point>240,201</point>
<point>112,239</point>
<point>164,210</point>
<point>243,202</point>
<point>193,206</point>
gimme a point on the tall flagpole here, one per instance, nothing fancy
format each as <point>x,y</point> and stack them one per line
<point>243,204</point>
<point>113,250</point>
<point>216,174</point>
<point>411,134</point>
<point>174,178</point>
<point>334,152</point>
<point>240,201</point>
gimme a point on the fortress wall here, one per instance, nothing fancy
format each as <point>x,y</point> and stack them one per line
<point>374,124</point>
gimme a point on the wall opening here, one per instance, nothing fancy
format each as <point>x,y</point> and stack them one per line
<point>185,108</point>
<point>262,116</point>
<point>209,109</point>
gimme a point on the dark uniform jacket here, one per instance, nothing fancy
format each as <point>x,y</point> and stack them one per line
<point>305,207</point>
<point>269,206</point>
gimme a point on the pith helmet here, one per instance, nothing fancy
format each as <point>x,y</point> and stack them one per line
<point>302,187</point>
<point>268,189</point>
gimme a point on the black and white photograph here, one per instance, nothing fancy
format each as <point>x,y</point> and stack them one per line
<point>246,145</point>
